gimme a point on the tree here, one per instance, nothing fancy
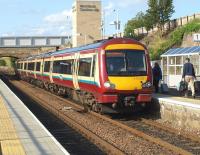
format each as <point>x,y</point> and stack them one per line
<point>159,12</point>
<point>134,23</point>
<point>166,10</point>
<point>2,62</point>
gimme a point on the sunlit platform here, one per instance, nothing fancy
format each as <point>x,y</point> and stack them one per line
<point>20,131</point>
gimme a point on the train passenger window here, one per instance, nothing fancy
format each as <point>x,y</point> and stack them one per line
<point>62,66</point>
<point>25,66</point>
<point>31,66</point>
<point>66,66</point>
<point>18,65</point>
<point>46,66</point>
<point>84,66</point>
<point>56,67</point>
<point>38,66</point>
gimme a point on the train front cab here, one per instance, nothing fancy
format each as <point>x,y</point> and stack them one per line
<point>126,80</point>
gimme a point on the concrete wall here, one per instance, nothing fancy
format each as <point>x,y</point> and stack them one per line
<point>170,25</point>
<point>182,115</point>
<point>7,70</point>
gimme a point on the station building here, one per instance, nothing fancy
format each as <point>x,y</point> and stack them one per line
<point>173,60</point>
<point>86,24</point>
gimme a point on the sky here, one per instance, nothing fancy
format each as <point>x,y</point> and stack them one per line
<point>53,17</point>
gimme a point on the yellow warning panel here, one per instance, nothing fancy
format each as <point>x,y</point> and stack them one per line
<point>9,141</point>
<point>12,147</point>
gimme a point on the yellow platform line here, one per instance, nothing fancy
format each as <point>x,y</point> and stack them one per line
<point>9,141</point>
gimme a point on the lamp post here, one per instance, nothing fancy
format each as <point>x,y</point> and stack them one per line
<point>103,28</point>
<point>117,22</point>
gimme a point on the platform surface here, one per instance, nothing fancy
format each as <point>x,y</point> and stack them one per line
<point>21,133</point>
<point>195,103</point>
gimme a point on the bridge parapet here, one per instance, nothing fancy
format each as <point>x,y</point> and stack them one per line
<point>34,41</point>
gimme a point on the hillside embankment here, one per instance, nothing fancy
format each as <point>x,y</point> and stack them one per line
<point>159,42</point>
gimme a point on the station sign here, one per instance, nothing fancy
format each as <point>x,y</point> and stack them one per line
<point>196,37</point>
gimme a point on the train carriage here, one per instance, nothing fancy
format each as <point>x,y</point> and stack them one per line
<point>114,72</point>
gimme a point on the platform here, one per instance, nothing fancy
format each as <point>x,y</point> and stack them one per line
<point>21,132</point>
<point>182,112</point>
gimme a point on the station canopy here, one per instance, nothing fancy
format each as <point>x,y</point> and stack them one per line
<point>182,51</point>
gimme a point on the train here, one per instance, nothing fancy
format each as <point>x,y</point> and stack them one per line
<point>114,73</point>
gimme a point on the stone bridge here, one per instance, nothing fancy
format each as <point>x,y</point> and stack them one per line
<point>20,47</point>
<point>22,52</point>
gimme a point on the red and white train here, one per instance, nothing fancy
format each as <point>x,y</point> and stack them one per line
<point>114,72</point>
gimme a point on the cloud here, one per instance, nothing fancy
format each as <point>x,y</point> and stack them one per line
<point>54,24</point>
<point>124,3</point>
<point>59,18</point>
<point>108,9</point>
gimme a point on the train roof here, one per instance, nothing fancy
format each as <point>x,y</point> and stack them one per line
<point>81,48</point>
<point>76,49</point>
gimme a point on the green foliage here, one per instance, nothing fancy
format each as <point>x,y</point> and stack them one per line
<point>7,61</point>
<point>134,23</point>
<point>175,38</point>
<point>158,13</point>
<point>152,15</point>
<point>2,62</point>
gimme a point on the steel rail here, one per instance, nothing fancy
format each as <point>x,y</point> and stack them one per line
<point>57,111</point>
<point>133,131</point>
<point>171,130</point>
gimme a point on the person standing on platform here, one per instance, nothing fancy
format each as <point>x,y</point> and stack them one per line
<point>157,76</point>
<point>189,76</point>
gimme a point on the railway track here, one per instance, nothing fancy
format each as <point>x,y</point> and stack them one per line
<point>180,139</point>
<point>136,128</point>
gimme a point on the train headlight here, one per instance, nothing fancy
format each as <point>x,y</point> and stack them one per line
<point>110,85</point>
<point>147,85</point>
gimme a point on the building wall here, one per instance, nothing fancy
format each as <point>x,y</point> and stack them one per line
<point>170,25</point>
<point>86,22</point>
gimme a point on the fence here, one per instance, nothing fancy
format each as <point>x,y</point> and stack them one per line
<point>170,25</point>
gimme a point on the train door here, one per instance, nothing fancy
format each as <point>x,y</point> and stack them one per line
<point>34,70</point>
<point>51,69</point>
<point>26,68</point>
<point>93,69</point>
<point>75,71</point>
<point>42,69</point>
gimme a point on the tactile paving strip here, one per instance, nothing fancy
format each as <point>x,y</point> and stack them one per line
<point>9,142</point>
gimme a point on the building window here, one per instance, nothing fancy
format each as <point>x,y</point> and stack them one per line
<point>171,70</point>
<point>179,70</point>
<point>46,66</point>
<point>172,60</point>
<point>62,67</point>
<point>178,60</point>
<point>164,65</point>
<point>38,66</point>
<point>84,66</point>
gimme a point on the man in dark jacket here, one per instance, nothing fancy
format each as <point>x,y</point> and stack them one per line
<point>189,76</point>
<point>157,76</point>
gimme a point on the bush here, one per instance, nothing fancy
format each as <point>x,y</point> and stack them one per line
<point>2,63</point>
<point>175,38</point>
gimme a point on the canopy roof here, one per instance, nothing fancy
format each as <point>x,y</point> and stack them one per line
<point>182,51</point>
